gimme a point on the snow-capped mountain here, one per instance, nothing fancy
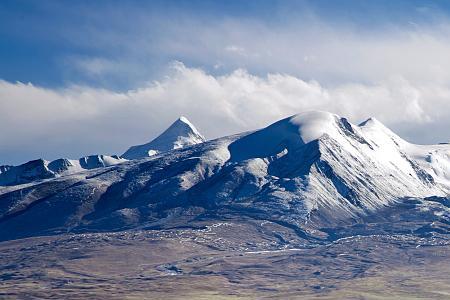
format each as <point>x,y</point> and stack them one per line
<point>309,171</point>
<point>41,169</point>
<point>180,134</point>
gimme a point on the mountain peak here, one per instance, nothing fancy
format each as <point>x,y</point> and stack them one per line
<point>181,126</point>
<point>372,122</point>
<point>184,120</point>
<point>314,124</point>
<point>374,128</point>
<point>314,168</point>
<point>180,133</point>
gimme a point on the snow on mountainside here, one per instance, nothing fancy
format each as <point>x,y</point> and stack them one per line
<point>180,134</point>
<point>308,171</point>
<point>4,168</point>
<point>41,169</point>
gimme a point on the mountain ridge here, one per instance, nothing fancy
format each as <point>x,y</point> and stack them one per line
<point>308,171</point>
<point>180,134</point>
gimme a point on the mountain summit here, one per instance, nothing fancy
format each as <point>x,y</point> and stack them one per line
<point>180,134</point>
<point>310,172</point>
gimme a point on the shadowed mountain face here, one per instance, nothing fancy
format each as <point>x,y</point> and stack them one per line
<point>314,173</point>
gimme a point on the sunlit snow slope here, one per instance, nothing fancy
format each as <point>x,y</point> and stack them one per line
<point>313,169</point>
<point>180,134</point>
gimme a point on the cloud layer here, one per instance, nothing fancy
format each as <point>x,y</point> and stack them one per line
<point>333,43</point>
<point>78,120</point>
<point>304,46</point>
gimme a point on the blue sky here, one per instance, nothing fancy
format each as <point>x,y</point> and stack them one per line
<point>44,42</point>
<point>85,77</point>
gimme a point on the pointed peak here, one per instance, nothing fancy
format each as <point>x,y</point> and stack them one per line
<point>184,120</point>
<point>375,128</point>
<point>180,133</point>
<point>372,121</point>
<point>181,127</point>
<point>373,124</point>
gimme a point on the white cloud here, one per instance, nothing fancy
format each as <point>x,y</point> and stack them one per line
<point>77,120</point>
<point>306,46</point>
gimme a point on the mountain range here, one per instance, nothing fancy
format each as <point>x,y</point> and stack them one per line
<point>310,172</point>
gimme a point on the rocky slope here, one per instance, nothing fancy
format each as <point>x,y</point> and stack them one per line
<point>311,171</point>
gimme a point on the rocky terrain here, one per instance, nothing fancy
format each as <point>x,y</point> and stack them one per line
<point>310,206</point>
<point>230,260</point>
